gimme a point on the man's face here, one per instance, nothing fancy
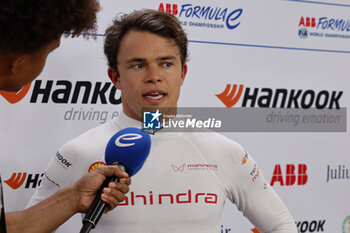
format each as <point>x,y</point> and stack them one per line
<point>150,72</point>
<point>29,67</point>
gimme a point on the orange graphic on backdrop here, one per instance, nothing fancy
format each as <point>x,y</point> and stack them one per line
<point>15,97</point>
<point>230,97</point>
<point>16,180</point>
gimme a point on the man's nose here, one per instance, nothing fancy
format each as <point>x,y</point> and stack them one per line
<point>153,75</point>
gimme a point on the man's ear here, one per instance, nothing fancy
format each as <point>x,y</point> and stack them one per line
<point>114,77</point>
<point>17,62</point>
<point>183,73</point>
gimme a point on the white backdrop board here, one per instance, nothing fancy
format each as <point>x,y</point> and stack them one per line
<point>270,44</point>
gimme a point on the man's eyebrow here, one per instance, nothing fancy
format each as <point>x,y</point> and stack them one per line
<point>135,59</point>
<point>138,59</point>
<point>166,58</point>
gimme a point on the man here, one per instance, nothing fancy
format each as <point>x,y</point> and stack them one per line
<point>29,31</point>
<point>147,52</point>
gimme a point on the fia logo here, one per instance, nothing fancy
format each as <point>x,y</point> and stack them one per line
<point>303,33</point>
<point>151,120</point>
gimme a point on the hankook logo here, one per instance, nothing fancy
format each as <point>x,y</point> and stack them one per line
<point>279,98</point>
<point>64,162</point>
<point>230,96</point>
<point>19,178</point>
<point>15,97</point>
<point>67,92</point>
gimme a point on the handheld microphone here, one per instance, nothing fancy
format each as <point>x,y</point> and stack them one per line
<point>128,149</point>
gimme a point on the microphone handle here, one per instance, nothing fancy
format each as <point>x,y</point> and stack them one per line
<point>98,206</point>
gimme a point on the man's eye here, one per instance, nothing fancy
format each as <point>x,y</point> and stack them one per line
<point>138,66</point>
<point>167,64</point>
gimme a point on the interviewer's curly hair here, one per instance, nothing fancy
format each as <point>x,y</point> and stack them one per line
<point>28,25</point>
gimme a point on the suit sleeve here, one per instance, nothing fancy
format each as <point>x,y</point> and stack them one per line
<point>252,194</point>
<point>61,172</point>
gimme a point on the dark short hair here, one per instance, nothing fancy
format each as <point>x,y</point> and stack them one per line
<point>28,25</point>
<point>157,22</point>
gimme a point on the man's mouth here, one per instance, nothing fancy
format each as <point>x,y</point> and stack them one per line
<point>154,96</point>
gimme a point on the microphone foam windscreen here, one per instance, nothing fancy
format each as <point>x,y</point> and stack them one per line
<point>130,147</point>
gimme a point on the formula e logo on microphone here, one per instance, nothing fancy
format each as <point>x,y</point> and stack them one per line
<point>127,137</point>
<point>64,162</point>
<point>199,16</point>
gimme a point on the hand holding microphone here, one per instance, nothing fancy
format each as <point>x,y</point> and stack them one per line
<point>87,187</point>
<point>128,149</point>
